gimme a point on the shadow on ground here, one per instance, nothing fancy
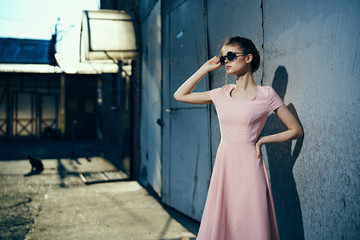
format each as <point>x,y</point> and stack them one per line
<point>18,149</point>
<point>190,224</point>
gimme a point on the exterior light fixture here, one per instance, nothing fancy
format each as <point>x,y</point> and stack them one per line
<point>108,35</point>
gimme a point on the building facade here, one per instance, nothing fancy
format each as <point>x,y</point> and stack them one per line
<point>309,56</point>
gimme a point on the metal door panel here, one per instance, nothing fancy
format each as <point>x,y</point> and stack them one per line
<point>187,46</point>
<point>190,161</point>
<point>186,160</point>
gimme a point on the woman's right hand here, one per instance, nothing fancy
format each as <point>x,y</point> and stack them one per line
<point>212,64</point>
<point>184,92</point>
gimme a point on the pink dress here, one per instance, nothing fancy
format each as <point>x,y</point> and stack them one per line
<point>239,204</point>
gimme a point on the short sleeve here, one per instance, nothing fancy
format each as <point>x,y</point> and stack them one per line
<point>214,94</point>
<point>275,100</point>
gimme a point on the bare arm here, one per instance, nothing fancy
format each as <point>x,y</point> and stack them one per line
<point>184,92</point>
<point>294,130</point>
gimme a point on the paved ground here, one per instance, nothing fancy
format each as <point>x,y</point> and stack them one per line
<point>56,204</point>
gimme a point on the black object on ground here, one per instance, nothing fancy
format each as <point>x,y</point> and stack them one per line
<point>106,176</point>
<point>36,165</point>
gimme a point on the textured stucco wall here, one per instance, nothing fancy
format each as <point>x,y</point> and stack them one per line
<point>311,58</point>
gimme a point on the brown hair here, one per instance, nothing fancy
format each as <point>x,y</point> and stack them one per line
<point>249,48</point>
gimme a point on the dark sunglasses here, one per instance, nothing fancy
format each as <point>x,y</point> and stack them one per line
<point>230,56</point>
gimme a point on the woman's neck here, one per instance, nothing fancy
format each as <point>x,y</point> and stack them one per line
<point>245,82</point>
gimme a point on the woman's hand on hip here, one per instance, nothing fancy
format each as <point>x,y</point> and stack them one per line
<point>258,148</point>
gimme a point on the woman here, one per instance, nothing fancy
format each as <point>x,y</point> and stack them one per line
<point>239,204</point>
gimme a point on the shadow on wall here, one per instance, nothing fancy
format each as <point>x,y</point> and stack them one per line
<point>281,161</point>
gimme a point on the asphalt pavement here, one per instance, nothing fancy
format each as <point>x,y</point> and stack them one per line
<point>57,204</point>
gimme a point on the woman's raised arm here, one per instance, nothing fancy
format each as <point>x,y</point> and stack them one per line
<point>184,92</point>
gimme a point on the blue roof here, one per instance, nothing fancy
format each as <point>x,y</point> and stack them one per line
<point>28,51</point>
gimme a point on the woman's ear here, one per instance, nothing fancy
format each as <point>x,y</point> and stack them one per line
<point>249,58</point>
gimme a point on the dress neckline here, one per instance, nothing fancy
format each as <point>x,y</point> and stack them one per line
<point>232,88</point>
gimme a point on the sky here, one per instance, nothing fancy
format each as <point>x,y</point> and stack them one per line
<point>36,19</point>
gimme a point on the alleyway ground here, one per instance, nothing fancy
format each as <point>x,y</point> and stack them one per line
<point>56,204</point>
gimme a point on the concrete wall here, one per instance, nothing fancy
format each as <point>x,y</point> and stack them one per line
<point>311,57</point>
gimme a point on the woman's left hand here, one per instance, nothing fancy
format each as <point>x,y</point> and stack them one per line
<point>258,148</point>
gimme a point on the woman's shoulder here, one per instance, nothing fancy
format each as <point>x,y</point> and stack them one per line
<point>272,97</point>
<point>266,91</point>
<point>223,90</point>
<point>264,88</point>
<point>224,87</point>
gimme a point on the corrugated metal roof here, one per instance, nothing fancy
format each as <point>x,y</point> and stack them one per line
<point>26,51</point>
